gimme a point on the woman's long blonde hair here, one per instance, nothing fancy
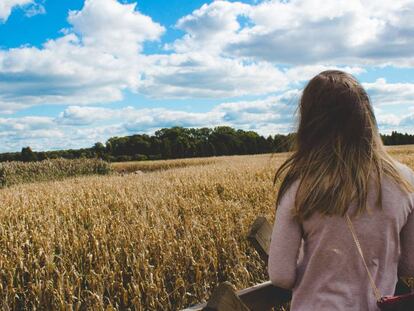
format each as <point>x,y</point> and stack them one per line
<point>337,148</point>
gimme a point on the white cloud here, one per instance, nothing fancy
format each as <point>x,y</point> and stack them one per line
<point>392,122</point>
<point>407,121</point>
<point>76,115</point>
<point>49,133</point>
<point>227,45</point>
<point>387,120</point>
<point>25,123</point>
<point>221,54</point>
<point>304,73</point>
<point>383,93</point>
<point>82,126</point>
<point>262,113</point>
<point>35,9</point>
<point>6,7</point>
<point>93,63</point>
<point>151,119</point>
<point>210,27</point>
<point>347,32</point>
<point>114,28</point>
<point>199,74</point>
<point>16,133</point>
<point>229,49</point>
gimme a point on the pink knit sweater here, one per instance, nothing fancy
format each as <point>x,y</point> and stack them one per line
<point>329,273</point>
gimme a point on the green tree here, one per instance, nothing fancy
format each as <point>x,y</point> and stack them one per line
<point>27,155</point>
<point>99,149</point>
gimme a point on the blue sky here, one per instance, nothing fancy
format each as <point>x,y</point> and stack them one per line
<point>74,72</point>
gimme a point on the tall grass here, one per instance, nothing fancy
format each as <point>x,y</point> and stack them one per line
<point>155,241</point>
<point>12,173</point>
<point>157,165</point>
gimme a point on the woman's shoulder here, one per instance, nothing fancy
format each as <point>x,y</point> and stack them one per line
<point>405,170</point>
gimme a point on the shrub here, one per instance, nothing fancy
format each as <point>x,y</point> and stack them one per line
<point>123,158</point>
<point>139,157</point>
<point>12,173</point>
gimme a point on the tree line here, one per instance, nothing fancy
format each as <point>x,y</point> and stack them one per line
<point>180,142</point>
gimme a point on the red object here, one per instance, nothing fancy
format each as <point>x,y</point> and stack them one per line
<point>397,303</point>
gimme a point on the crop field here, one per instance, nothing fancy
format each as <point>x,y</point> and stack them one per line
<point>158,240</point>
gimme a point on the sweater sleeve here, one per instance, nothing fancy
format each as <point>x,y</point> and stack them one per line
<point>285,243</point>
<point>406,265</point>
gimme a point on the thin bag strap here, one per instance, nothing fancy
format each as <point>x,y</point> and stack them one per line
<point>371,280</point>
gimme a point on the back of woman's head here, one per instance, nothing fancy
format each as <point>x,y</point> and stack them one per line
<point>337,148</point>
<point>335,109</point>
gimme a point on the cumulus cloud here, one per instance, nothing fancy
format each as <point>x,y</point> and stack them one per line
<point>82,126</point>
<point>6,7</point>
<point>210,27</point>
<point>221,54</point>
<point>407,121</point>
<point>301,32</point>
<point>383,93</point>
<point>293,40</point>
<point>16,133</point>
<point>387,121</point>
<point>93,62</point>
<point>196,74</point>
<point>299,74</point>
<point>100,57</point>
<point>264,51</point>
<point>76,115</point>
<point>50,133</point>
<point>151,119</point>
<point>260,114</point>
<point>25,123</point>
<point>114,28</point>
<point>35,9</point>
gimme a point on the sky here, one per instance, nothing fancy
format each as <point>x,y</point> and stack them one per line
<point>75,72</point>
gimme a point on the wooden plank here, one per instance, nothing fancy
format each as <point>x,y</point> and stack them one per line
<point>259,297</point>
<point>197,307</point>
<point>224,298</point>
<point>264,296</point>
<point>259,236</point>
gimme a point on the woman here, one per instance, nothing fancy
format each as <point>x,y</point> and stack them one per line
<point>340,167</point>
